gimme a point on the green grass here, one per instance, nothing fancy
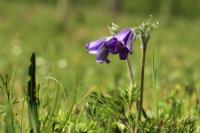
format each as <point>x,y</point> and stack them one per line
<point>25,28</point>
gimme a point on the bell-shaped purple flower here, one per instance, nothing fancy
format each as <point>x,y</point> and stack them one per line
<point>121,43</point>
<point>99,48</point>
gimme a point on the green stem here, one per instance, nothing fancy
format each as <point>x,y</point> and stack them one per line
<point>142,79</point>
<point>131,79</point>
<point>130,72</point>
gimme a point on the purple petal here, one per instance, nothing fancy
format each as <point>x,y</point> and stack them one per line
<point>112,45</point>
<point>93,47</point>
<point>102,55</point>
<point>130,41</point>
<point>123,36</point>
<point>123,54</point>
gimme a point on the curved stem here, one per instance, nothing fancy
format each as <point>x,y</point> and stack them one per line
<point>132,81</point>
<point>142,81</point>
<point>130,71</point>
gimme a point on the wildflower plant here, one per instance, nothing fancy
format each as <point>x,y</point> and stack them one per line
<point>121,42</point>
<point>117,109</point>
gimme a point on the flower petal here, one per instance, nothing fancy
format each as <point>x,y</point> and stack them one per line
<point>123,54</point>
<point>112,45</point>
<point>93,47</point>
<point>102,55</point>
<point>130,41</point>
<point>123,36</point>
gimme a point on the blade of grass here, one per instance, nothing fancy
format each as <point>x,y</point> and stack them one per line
<point>53,111</point>
<point>154,80</point>
<point>7,86</point>
<point>70,109</point>
<point>31,97</point>
<point>22,116</point>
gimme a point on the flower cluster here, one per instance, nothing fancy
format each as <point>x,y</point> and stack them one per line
<point>120,43</point>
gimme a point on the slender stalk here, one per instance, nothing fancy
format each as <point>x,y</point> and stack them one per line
<point>21,131</point>
<point>142,79</point>
<point>130,72</point>
<point>132,81</point>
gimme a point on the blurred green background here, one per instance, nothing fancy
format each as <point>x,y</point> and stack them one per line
<point>57,30</point>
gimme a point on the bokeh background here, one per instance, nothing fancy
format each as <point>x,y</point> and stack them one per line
<point>57,30</point>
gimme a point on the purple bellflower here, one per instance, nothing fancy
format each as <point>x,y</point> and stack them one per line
<point>98,48</point>
<point>120,44</point>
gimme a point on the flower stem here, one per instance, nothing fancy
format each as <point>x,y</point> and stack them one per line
<point>132,81</point>
<point>144,44</point>
<point>130,72</point>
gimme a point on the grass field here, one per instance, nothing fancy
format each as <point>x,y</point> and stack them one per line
<point>173,55</point>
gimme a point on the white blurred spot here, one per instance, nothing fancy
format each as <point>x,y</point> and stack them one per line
<point>16,50</point>
<point>62,63</point>
<point>40,61</point>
